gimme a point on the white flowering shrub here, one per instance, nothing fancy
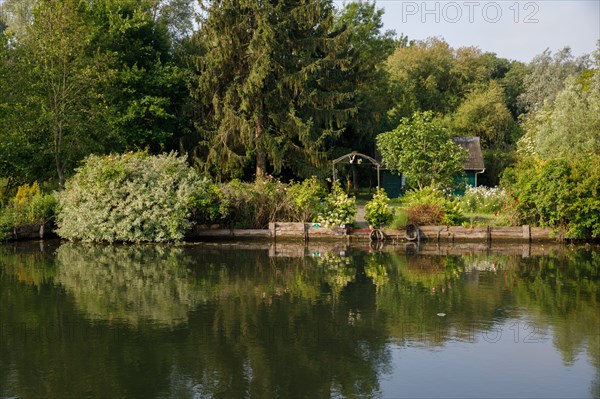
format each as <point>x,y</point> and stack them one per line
<point>340,209</point>
<point>132,197</point>
<point>483,199</point>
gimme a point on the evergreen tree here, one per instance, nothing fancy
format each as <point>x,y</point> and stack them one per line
<point>270,85</point>
<point>371,47</point>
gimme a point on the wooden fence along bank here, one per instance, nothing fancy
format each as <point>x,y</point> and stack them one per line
<point>310,231</point>
<point>315,231</point>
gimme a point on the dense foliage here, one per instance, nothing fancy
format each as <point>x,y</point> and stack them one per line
<point>131,197</point>
<point>378,211</point>
<point>272,90</point>
<point>30,206</point>
<point>559,193</point>
<point>254,89</point>
<point>254,205</point>
<point>555,183</point>
<point>422,149</point>
<point>430,207</point>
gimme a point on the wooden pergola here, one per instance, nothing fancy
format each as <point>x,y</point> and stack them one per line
<point>355,158</point>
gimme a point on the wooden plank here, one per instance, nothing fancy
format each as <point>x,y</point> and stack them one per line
<point>479,233</point>
<point>507,233</point>
<point>291,230</point>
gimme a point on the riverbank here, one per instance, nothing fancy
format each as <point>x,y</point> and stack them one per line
<point>310,231</point>
<point>315,231</point>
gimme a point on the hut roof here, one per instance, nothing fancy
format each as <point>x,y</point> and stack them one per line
<point>473,146</point>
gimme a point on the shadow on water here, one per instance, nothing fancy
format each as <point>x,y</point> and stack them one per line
<point>281,320</point>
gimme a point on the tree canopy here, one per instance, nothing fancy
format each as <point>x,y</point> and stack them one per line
<point>422,149</point>
<point>251,88</point>
<point>270,84</point>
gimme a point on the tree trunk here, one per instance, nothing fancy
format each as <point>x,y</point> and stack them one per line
<point>355,180</point>
<point>60,168</point>
<point>261,157</point>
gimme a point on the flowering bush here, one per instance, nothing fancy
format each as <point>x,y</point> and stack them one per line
<point>132,197</point>
<point>483,199</point>
<point>377,211</point>
<point>340,209</point>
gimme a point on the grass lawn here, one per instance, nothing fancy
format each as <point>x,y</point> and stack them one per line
<point>483,219</point>
<point>468,218</point>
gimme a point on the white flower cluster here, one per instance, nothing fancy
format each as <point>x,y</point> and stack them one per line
<point>483,199</point>
<point>130,197</point>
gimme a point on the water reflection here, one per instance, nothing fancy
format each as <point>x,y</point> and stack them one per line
<point>128,283</point>
<point>288,321</point>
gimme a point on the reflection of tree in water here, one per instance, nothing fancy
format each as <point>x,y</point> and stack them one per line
<point>268,335</point>
<point>564,293</point>
<point>376,270</point>
<point>260,326</point>
<point>127,283</point>
<point>338,271</point>
<point>29,263</point>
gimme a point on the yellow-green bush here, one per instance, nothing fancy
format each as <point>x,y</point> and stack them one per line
<point>29,207</point>
<point>431,206</point>
<point>378,211</point>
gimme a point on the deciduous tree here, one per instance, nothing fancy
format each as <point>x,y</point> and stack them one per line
<point>58,81</point>
<point>422,149</point>
<point>483,113</point>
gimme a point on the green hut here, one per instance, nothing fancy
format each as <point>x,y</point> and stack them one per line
<point>474,163</point>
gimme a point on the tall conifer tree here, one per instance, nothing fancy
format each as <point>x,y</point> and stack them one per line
<point>270,84</point>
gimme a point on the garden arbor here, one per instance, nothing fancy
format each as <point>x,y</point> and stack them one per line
<point>355,158</point>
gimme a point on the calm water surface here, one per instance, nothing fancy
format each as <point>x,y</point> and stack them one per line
<point>264,320</point>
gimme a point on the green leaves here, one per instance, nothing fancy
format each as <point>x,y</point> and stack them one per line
<point>131,197</point>
<point>484,114</point>
<point>270,85</point>
<point>377,211</point>
<point>422,149</point>
<point>559,193</point>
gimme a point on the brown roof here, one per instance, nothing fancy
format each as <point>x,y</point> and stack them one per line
<point>473,145</point>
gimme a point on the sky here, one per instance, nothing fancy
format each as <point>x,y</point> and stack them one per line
<point>512,29</point>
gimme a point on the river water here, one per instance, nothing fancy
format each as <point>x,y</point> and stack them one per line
<point>284,320</point>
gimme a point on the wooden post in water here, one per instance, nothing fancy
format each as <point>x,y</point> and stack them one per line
<point>527,232</point>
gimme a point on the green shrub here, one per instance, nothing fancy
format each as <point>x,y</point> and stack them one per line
<point>483,199</point>
<point>431,206</point>
<point>339,209</point>
<point>307,198</point>
<point>557,193</point>
<point>400,219</point>
<point>255,205</point>
<point>131,197</point>
<point>210,206</point>
<point>377,211</point>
